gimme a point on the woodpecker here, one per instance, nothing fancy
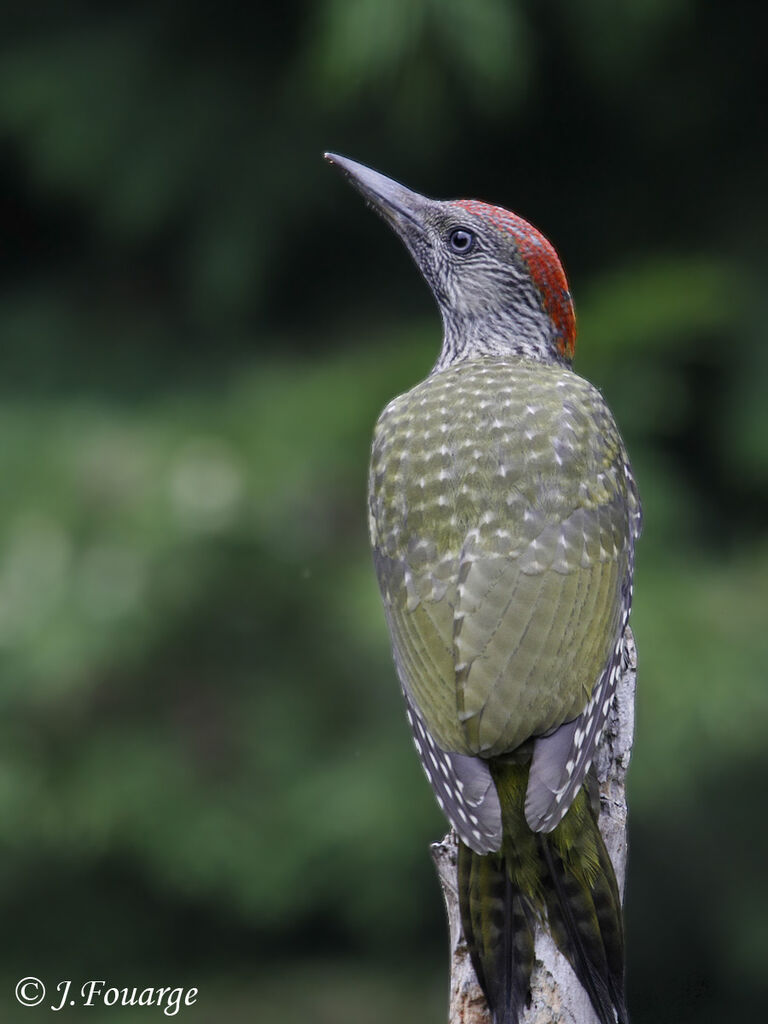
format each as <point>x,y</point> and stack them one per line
<point>503,516</point>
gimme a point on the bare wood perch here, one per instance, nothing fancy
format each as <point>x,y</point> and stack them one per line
<point>556,995</point>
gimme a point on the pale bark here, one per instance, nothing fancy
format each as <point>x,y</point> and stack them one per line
<point>556,995</point>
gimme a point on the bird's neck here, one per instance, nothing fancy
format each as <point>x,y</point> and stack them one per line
<point>501,336</point>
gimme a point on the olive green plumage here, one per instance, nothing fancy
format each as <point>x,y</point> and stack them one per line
<point>498,514</point>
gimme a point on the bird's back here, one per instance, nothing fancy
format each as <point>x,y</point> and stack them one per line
<point>499,498</point>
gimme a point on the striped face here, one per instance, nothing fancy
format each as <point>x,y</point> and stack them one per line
<point>498,282</point>
<point>543,264</point>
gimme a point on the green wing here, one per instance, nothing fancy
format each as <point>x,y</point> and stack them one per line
<point>501,513</point>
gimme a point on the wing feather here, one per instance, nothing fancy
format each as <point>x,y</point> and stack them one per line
<point>503,530</point>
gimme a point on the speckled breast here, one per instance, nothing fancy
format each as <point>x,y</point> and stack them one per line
<point>499,520</point>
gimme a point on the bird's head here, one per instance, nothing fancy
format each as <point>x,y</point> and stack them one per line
<point>498,282</point>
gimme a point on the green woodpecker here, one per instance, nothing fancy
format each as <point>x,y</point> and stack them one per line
<point>503,518</point>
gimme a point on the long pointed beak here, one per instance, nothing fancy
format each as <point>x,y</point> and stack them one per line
<point>402,209</point>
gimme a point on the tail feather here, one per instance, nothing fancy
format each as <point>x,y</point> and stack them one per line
<point>584,907</point>
<point>498,923</point>
<point>564,879</point>
<point>575,927</point>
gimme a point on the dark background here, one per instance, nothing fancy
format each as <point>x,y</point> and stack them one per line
<point>205,772</point>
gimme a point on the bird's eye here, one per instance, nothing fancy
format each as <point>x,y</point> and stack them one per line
<point>461,240</point>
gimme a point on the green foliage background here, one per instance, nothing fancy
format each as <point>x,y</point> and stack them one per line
<point>205,775</point>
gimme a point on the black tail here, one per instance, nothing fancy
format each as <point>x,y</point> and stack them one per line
<point>564,879</point>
